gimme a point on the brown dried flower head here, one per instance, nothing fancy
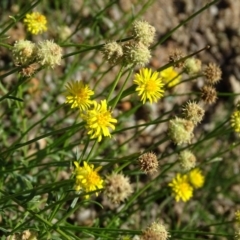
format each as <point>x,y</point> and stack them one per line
<point>29,70</point>
<point>143,32</point>
<point>148,162</point>
<point>175,56</point>
<point>112,52</point>
<point>117,188</point>
<point>192,111</point>
<point>136,53</point>
<point>156,231</point>
<point>180,130</point>
<point>208,94</point>
<point>213,74</point>
<point>187,159</point>
<point>192,66</point>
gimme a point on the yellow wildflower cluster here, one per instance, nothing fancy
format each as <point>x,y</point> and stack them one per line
<point>184,184</point>
<point>97,116</point>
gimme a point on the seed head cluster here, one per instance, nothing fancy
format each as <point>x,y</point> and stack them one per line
<point>192,111</point>
<point>49,53</point>
<point>212,73</point>
<point>156,231</point>
<point>208,94</point>
<point>46,53</point>
<point>143,32</point>
<point>117,188</point>
<point>134,52</point>
<point>23,52</point>
<point>148,162</point>
<point>112,52</point>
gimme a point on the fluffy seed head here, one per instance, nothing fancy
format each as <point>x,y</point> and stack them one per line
<point>23,52</point>
<point>136,53</point>
<point>143,32</point>
<point>180,130</point>
<point>192,111</point>
<point>208,94</point>
<point>156,231</point>
<point>117,188</point>
<point>112,52</point>
<point>49,53</point>
<point>148,162</point>
<point>192,66</point>
<point>187,159</point>
<point>212,73</point>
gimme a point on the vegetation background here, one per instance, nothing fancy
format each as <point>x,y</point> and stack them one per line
<point>41,136</point>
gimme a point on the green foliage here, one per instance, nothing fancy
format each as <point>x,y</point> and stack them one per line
<point>41,136</point>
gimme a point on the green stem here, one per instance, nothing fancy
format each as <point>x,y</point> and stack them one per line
<point>89,154</point>
<point>121,90</point>
<point>115,83</point>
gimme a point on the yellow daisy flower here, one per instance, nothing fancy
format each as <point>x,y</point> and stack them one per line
<point>196,178</point>
<point>181,189</point>
<point>35,22</point>
<point>99,120</point>
<point>87,179</point>
<point>170,77</point>
<point>78,95</point>
<point>235,121</point>
<point>150,86</point>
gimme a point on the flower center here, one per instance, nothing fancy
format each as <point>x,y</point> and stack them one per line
<point>150,86</point>
<point>103,119</point>
<point>92,178</point>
